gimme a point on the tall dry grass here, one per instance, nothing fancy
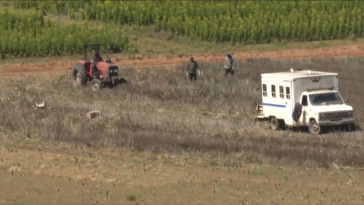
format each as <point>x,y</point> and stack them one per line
<point>161,111</point>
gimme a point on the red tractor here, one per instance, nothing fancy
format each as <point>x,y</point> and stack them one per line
<point>107,73</point>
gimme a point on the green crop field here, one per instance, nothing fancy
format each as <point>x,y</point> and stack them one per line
<point>178,27</point>
<point>25,35</point>
<point>249,22</point>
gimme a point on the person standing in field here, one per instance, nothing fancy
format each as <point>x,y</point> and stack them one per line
<point>229,65</point>
<point>192,68</point>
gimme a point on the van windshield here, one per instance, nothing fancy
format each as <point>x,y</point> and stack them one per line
<point>325,98</point>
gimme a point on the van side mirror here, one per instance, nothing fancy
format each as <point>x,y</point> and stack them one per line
<point>347,100</point>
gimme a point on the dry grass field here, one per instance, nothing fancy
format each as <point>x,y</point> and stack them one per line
<point>164,140</point>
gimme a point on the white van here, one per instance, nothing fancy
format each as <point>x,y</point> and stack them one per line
<point>303,98</point>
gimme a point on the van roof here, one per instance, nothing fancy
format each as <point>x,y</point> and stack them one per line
<point>320,91</point>
<point>297,74</point>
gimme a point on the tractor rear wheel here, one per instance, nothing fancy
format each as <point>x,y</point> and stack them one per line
<point>79,75</point>
<point>96,84</point>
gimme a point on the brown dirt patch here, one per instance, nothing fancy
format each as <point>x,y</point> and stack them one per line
<point>168,61</point>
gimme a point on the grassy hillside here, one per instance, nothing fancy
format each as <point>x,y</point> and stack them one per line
<point>162,139</point>
<point>162,112</point>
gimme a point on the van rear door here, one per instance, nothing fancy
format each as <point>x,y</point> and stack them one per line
<point>288,98</point>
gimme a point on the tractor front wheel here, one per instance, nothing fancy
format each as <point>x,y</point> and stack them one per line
<point>96,84</point>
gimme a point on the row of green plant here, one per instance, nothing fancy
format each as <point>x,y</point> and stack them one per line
<point>237,21</point>
<point>26,35</point>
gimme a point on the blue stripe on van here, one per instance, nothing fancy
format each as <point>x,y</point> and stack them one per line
<point>274,105</point>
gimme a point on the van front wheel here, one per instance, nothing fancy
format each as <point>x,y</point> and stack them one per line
<point>314,127</point>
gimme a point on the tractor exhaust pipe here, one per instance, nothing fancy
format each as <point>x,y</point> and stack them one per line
<point>85,51</point>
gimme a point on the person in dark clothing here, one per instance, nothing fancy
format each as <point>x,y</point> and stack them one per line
<point>96,58</point>
<point>229,65</point>
<point>192,67</point>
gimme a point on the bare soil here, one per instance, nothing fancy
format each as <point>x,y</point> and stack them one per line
<point>171,61</point>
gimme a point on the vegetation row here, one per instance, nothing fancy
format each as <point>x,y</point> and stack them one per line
<point>25,35</point>
<point>248,22</point>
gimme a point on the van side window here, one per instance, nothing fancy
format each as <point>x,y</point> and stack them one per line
<point>304,100</point>
<point>281,92</point>
<point>273,91</point>
<point>264,90</point>
<point>288,93</point>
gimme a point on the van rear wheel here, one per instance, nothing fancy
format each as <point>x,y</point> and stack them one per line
<point>274,124</point>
